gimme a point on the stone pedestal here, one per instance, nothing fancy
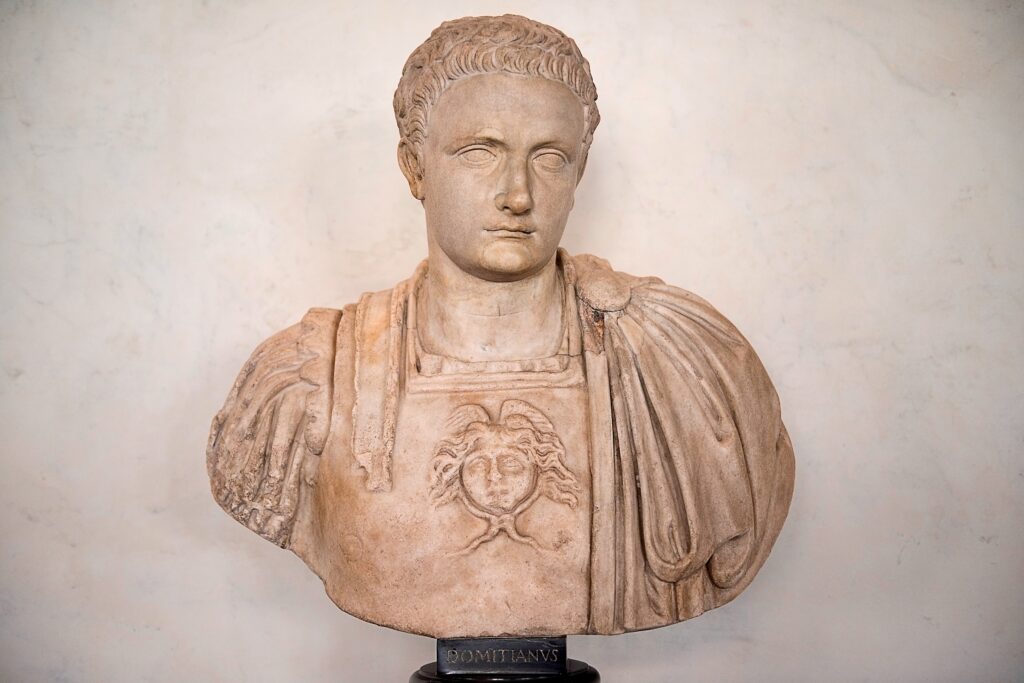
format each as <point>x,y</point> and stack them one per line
<point>576,672</point>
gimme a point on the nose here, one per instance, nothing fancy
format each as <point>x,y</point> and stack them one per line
<point>514,195</point>
<point>493,475</point>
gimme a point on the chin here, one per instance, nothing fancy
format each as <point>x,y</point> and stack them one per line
<point>508,259</point>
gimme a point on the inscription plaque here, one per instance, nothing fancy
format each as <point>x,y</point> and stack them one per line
<point>576,672</point>
<point>501,655</point>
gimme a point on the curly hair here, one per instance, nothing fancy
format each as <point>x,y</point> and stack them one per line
<point>481,45</point>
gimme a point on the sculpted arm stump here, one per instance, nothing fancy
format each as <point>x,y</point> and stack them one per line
<point>264,444</point>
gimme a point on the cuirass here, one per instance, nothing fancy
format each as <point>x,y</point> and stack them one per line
<point>486,526</point>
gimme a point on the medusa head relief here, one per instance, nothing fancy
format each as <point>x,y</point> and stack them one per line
<point>499,468</point>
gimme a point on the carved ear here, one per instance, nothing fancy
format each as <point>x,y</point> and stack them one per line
<point>583,167</point>
<point>579,176</point>
<point>409,162</point>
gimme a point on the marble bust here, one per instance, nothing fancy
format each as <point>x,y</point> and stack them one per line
<point>513,441</point>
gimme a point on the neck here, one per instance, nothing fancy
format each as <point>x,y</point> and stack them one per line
<point>465,317</point>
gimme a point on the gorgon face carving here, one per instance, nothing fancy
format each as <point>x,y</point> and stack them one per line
<point>497,469</point>
<point>497,477</point>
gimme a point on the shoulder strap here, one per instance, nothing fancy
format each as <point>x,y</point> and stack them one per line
<point>379,341</point>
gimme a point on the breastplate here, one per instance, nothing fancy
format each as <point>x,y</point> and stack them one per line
<point>486,529</point>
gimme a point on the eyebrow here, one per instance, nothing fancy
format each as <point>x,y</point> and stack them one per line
<point>555,144</point>
<point>494,141</point>
<point>484,137</point>
<point>489,134</point>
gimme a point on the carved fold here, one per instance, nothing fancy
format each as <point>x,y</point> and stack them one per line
<point>264,441</point>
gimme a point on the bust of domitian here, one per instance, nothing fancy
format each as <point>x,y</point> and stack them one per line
<point>513,441</point>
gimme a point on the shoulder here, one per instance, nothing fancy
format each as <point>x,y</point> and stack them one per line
<point>603,288</point>
<point>647,305</point>
<point>597,285</point>
<point>300,356</point>
<point>276,414</point>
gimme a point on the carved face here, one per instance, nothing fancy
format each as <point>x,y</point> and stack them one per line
<point>500,163</point>
<point>497,477</point>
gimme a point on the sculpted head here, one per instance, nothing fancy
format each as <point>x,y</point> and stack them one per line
<point>499,467</point>
<point>496,116</point>
<point>498,472</point>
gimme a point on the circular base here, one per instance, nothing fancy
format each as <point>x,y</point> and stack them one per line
<point>578,672</point>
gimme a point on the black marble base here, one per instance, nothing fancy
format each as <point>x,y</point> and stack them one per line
<point>576,672</point>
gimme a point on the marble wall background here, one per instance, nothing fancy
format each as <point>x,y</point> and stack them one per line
<point>845,180</point>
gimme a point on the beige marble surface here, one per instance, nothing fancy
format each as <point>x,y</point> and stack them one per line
<point>843,180</point>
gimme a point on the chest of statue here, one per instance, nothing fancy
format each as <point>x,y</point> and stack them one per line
<point>486,526</point>
<point>615,485</point>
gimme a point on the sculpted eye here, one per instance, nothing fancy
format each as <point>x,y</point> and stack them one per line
<point>550,161</point>
<point>510,464</point>
<point>477,156</point>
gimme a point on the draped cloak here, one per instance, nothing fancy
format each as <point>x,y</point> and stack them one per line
<point>691,466</point>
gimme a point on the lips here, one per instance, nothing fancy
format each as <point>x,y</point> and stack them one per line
<point>514,231</point>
